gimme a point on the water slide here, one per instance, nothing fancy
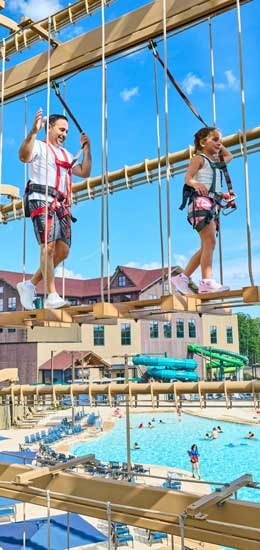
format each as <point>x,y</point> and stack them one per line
<point>168,368</point>
<point>228,361</point>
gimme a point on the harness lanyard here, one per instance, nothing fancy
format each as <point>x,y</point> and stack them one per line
<point>59,164</point>
<point>197,115</point>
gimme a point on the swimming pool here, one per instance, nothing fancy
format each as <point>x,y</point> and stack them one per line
<point>166,444</point>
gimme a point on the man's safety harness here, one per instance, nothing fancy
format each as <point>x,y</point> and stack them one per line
<point>61,201</point>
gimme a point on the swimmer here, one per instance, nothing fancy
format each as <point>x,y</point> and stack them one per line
<point>141,425</point>
<point>208,436</point>
<point>250,435</point>
<point>220,431</point>
<point>149,425</point>
<point>214,433</point>
<point>136,446</point>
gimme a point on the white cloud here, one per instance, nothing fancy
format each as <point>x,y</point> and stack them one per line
<point>138,265</point>
<point>128,93</point>
<point>68,273</point>
<point>232,83</point>
<point>35,9</point>
<point>192,81</point>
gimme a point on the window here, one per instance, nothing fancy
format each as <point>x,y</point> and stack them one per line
<point>11,330</point>
<point>180,328</point>
<point>92,301</point>
<point>167,329</point>
<point>1,304</point>
<point>11,303</point>
<point>99,335</point>
<point>213,335</point>
<point>1,289</point>
<point>121,280</point>
<point>192,328</point>
<point>229,332</point>
<point>154,329</point>
<point>1,330</point>
<point>166,286</point>
<point>125,334</point>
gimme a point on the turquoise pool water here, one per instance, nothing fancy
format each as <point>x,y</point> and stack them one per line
<point>166,444</point>
<point>223,459</point>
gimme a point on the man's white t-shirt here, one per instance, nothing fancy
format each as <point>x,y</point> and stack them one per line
<point>37,169</point>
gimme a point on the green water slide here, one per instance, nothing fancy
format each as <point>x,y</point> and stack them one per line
<point>227,361</point>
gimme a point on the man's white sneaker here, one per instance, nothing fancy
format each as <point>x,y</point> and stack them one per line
<point>54,301</point>
<point>181,282</point>
<point>209,285</point>
<point>26,291</point>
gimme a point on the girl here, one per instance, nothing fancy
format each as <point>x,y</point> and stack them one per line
<point>194,458</point>
<point>203,186</point>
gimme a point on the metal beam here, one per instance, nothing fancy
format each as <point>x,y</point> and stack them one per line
<point>235,524</point>
<point>129,31</point>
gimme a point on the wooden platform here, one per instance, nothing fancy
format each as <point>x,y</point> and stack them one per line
<point>157,309</point>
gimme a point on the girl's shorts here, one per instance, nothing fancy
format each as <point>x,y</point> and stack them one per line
<point>201,211</point>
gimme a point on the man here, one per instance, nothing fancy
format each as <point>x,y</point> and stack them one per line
<point>50,170</point>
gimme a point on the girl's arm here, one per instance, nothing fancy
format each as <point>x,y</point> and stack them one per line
<point>196,164</point>
<point>226,154</point>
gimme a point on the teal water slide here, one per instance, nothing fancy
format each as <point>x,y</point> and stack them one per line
<point>168,368</point>
<point>227,361</point>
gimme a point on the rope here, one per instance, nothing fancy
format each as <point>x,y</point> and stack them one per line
<point>214,116</point>
<point>47,157</point>
<point>212,67</point>
<point>2,111</point>
<point>103,132</point>
<point>107,193</point>
<point>168,199</point>
<point>246,176</point>
<point>159,168</point>
<point>25,180</point>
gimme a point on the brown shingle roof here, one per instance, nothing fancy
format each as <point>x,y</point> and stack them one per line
<point>84,288</point>
<point>63,360</point>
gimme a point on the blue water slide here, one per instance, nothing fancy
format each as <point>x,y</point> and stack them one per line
<point>172,362</point>
<point>168,368</point>
<point>172,374</point>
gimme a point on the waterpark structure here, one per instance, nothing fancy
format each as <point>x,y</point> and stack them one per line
<point>220,361</point>
<point>167,368</point>
<point>215,518</point>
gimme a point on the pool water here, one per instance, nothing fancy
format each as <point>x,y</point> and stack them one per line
<point>223,459</point>
<point>166,444</point>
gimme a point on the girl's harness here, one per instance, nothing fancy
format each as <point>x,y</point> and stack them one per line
<point>189,196</point>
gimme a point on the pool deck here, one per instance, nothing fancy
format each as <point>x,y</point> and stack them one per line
<point>241,414</point>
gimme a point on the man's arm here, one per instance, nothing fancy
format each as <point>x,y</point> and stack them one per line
<point>83,169</point>
<point>26,149</point>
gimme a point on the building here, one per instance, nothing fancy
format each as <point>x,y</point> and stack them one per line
<point>28,349</point>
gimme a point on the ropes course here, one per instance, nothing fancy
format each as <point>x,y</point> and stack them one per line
<point>213,518</point>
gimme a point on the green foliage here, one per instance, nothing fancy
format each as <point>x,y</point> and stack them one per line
<point>249,337</point>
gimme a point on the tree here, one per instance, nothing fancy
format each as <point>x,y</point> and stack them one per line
<point>249,337</point>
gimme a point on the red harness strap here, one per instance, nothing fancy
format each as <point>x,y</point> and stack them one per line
<point>66,196</point>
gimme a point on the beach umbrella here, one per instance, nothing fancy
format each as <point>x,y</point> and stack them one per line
<point>18,457</point>
<point>67,531</point>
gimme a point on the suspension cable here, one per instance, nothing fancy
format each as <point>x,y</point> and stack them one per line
<point>25,171</point>
<point>2,112</point>
<point>246,175</point>
<point>159,168</point>
<point>102,231</point>
<point>47,158</point>
<point>107,191</point>
<point>214,117</point>
<point>166,111</point>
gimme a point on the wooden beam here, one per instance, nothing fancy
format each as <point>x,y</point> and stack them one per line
<point>129,31</point>
<point>92,187</point>
<point>198,508</point>
<point>236,524</point>
<point>43,33</point>
<point>59,20</point>
<point>10,191</point>
<point>8,23</point>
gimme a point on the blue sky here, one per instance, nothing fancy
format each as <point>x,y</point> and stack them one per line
<point>134,220</point>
